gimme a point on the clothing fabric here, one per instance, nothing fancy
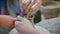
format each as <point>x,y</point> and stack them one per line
<point>0,6</point>
<point>0,11</point>
<point>3,4</point>
<point>17,10</point>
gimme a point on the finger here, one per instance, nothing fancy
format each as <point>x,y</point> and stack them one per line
<point>29,6</point>
<point>35,7</point>
<point>19,18</point>
<point>17,22</point>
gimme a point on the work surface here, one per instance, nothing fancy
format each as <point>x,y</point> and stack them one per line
<point>53,25</point>
<point>14,31</point>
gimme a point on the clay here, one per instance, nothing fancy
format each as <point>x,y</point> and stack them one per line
<point>51,9</point>
<point>50,4</point>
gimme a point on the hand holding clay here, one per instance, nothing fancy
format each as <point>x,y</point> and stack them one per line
<point>22,25</point>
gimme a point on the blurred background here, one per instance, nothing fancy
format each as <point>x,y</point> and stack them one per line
<point>47,17</point>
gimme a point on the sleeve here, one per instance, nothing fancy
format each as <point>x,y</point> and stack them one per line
<point>4,3</point>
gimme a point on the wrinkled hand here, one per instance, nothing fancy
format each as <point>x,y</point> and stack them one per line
<point>6,21</point>
<point>22,24</point>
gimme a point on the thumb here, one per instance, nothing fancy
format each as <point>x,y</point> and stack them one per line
<point>19,18</point>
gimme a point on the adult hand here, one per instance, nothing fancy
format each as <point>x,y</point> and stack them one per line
<point>34,8</point>
<point>22,25</point>
<point>24,4</point>
<point>6,21</point>
<point>29,7</point>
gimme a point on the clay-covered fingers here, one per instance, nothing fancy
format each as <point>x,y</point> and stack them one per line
<point>24,21</point>
<point>19,18</point>
<point>22,25</point>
